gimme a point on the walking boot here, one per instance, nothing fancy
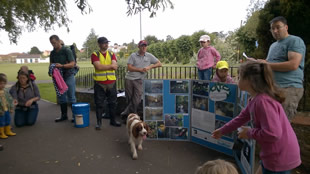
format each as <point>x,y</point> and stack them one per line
<point>1,147</point>
<point>2,134</point>
<point>8,131</point>
<point>64,115</point>
<point>99,111</point>
<point>72,121</point>
<point>113,122</point>
<point>106,114</point>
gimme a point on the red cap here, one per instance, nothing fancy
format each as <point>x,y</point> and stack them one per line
<point>142,42</point>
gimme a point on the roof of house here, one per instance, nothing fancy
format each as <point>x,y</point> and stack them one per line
<point>29,56</point>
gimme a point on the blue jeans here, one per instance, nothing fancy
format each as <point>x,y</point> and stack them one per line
<point>205,74</point>
<point>5,119</point>
<point>26,115</point>
<point>68,96</point>
<point>266,171</point>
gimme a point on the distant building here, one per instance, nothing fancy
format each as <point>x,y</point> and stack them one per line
<point>46,53</point>
<point>31,58</point>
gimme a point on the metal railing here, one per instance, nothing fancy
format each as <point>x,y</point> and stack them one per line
<point>84,78</point>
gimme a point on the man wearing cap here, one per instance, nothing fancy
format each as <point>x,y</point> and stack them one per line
<point>105,64</point>
<point>205,58</point>
<point>138,65</point>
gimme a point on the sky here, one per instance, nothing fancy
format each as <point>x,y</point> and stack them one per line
<point>109,19</point>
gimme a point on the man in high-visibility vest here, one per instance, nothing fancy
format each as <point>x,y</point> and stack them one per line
<point>105,64</point>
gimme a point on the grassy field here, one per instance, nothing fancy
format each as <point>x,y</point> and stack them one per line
<point>40,70</point>
<point>47,92</point>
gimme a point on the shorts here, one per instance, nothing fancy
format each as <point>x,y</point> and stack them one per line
<point>293,96</point>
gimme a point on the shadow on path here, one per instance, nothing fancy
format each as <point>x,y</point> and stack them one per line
<point>49,148</point>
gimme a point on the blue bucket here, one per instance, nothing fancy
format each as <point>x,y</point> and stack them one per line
<point>81,114</point>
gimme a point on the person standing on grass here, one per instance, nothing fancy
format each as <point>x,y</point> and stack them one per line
<point>138,65</point>
<point>286,58</point>
<point>63,59</point>
<point>105,64</point>
<point>205,58</point>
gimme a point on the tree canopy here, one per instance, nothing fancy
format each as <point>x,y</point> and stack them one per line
<point>35,50</point>
<point>16,16</point>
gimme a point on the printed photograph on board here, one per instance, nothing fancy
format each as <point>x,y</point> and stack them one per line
<point>152,86</point>
<point>153,113</point>
<point>153,100</point>
<point>200,103</point>
<point>162,130</point>
<point>174,120</point>
<point>181,104</point>
<point>179,133</point>
<point>219,124</point>
<point>153,129</point>
<point>200,88</point>
<point>224,109</point>
<point>179,87</point>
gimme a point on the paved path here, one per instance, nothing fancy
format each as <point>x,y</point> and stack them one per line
<point>50,148</point>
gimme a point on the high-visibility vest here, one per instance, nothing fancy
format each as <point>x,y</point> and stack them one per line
<point>105,74</point>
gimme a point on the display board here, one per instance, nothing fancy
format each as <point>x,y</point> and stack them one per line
<point>166,109</point>
<point>214,104</point>
<point>190,110</point>
<point>244,150</point>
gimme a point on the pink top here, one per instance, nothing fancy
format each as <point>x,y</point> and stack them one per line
<point>205,58</point>
<point>217,79</point>
<point>272,130</point>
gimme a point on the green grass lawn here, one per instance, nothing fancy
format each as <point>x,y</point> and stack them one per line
<point>47,92</point>
<point>40,69</point>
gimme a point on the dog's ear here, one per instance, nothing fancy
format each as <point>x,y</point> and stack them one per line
<point>147,127</point>
<point>136,129</point>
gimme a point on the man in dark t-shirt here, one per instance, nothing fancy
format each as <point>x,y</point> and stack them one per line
<point>63,59</point>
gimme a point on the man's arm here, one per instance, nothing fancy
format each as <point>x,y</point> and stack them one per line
<point>101,67</point>
<point>157,64</point>
<point>292,64</point>
<point>131,68</point>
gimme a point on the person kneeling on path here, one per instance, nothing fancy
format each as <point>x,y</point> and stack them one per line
<point>26,93</point>
<point>105,64</point>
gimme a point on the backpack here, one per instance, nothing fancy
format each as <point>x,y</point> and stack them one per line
<point>72,48</point>
<point>76,67</point>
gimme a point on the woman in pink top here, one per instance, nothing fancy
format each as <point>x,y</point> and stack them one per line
<point>205,58</point>
<point>279,146</point>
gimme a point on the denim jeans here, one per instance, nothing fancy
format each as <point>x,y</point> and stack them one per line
<point>205,74</point>
<point>5,119</point>
<point>68,96</point>
<point>266,171</point>
<point>26,115</point>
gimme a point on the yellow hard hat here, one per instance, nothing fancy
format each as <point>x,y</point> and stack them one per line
<point>222,64</point>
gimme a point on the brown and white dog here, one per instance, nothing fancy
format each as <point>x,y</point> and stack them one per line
<point>137,131</point>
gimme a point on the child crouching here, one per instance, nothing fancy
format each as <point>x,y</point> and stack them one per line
<point>221,74</point>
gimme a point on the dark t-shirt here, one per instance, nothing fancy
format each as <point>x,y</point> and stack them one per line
<point>63,56</point>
